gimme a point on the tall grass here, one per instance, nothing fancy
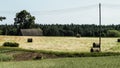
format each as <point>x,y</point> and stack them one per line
<point>4,57</point>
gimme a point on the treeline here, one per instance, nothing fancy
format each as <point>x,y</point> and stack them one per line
<point>68,30</point>
<point>84,30</point>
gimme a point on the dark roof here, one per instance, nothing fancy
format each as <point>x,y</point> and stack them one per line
<point>31,32</point>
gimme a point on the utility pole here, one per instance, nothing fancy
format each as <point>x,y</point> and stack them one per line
<point>6,29</point>
<point>100,25</point>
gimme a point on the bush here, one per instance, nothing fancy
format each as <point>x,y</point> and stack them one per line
<point>113,33</point>
<point>10,44</point>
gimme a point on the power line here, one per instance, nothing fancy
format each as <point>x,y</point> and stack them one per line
<point>66,10</point>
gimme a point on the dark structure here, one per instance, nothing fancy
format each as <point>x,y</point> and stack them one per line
<point>31,32</point>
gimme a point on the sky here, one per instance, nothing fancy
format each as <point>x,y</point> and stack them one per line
<point>62,11</point>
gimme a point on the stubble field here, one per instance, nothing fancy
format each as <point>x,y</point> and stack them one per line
<point>62,44</point>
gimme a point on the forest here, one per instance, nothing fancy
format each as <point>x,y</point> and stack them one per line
<point>85,30</point>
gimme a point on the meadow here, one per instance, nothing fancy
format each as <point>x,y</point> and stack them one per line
<point>83,62</point>
<point>62,44</point>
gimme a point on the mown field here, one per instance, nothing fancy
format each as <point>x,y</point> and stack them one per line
<point>62,44</point>
<point>75,47</point>
<point>84,62</point>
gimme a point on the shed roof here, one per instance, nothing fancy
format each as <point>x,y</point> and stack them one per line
<point>31,32</point>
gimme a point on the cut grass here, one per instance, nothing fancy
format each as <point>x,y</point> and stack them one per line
<point>86,62</point>
<point>62,44</point>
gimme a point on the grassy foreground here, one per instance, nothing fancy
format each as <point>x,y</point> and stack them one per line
<point>62,44</point>
<point>11,54</point>
<point>85,62</point>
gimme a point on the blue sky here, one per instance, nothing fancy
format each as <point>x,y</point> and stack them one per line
<point>63,11</point>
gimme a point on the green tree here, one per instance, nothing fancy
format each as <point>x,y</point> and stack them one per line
<point>2,18</point>
<point>1,32</point>
<point>24,20</point>
<point>53,31</point>
<point>113,33</point>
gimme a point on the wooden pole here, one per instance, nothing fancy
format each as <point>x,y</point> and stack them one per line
<point>100,25</point>
<point>6,29</point>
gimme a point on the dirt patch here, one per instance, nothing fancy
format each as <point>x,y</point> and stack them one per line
<point>32,56</point>
<point>27,56</point>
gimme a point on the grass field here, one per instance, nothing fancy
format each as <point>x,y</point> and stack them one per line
<point>63,44</point>
<point>85,62</point>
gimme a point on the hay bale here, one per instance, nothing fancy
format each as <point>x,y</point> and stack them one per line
<point>95,50</point>
<point>29,40</point>
<point>91,50</point>
<point>78,35</point>
<point>96,45</point>
<point>118,40</point>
